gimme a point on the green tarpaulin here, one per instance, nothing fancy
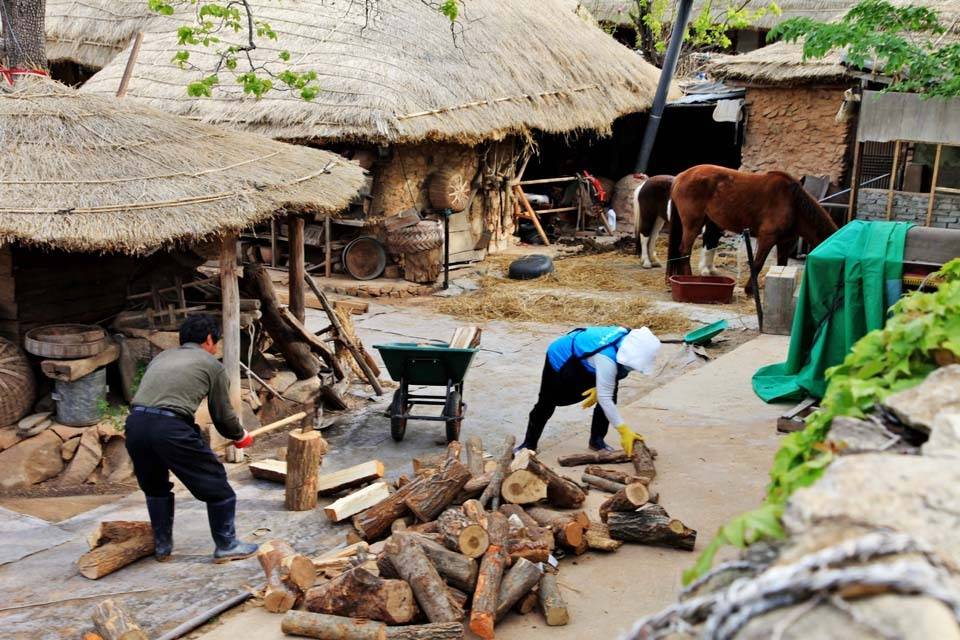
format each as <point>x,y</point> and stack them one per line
<point>849,282</point>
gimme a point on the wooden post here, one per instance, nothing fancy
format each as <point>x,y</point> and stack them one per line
<point>327,257</point>
<point>131,63</point>
<point>273,242</point>
<point>231,334</point>
<point>854,180</point>
<point>532,215</point>
<point>894,169</point>
<point>304,453</point>
<point>933,184</point>
<point>295,268</point>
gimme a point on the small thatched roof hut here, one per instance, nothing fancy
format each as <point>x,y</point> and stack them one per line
<point>86,173</point>
<point>397,75</point>
<point>780,64</point>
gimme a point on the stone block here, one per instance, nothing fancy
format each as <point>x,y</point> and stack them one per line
<point>779,301</point>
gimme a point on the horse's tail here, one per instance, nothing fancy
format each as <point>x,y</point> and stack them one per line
<point>676,237</point>
<point>811,219</point>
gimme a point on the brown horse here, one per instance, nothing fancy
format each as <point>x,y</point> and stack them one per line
<point>773,205</point>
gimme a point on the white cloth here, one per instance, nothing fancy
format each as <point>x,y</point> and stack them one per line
<point>728,110</point>
<point>638,351</point>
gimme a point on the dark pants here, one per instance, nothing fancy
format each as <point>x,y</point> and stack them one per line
<point>160,444</point>
<point>560,389</point>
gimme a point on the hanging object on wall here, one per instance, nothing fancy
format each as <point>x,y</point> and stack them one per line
<point>448,189</point>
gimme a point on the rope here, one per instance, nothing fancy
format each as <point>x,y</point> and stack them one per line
<point>9,72</point>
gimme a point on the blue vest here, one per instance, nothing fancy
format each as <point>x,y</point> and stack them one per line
<point>579,342</point>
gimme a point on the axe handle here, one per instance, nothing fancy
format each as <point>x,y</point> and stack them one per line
<point>279,423</point>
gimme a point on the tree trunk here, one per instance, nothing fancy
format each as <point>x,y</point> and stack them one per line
<point>561,492</point>
<point>629,498</point>
<point>432,496</point>
<point>614,475</point>
<point>433,631</point>
<point>24,37</point>
<point>475,455</point>
<point>133,541</point>
<point>551,601</point>
<point>522,577</point>
<point>289,575</point>
<point>375,521</point>
<point>114,623</point>
<point>651,526</point>
<point>483,613</point>
<point>567,530</point>
<point>491,494</point>
<point>360,594</point>
<point>304,455</point>
<point>327,627</point>
<point>410,560</point>
<point>593,457</point>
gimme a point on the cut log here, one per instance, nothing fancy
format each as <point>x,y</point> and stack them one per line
<point>360,594</point>
<point>561,492</point>
<point>643,461</point>
<point>458,570</point>
<point>438,491</point>
<point>567,530</point>
<point>527,603</point>
<point>522,577</point>
<point>465,338</point>
<point>376,521</point>
<point>304,454</point>
<point>491,495</point>
<point>118,531</point>
<point>598,538</point>
<point>475,456</point>
<point>427,462</point>
<point>462,534</point>
<point>411,562</point>
<point>454,450</point>
<point>358,501</point>
<point>533,549</point>
<point>458,599</point>
<point>483,613</point>
<point>400,524</point>
<point>73,370</point>
<point>114,623</point>
<point>523,487</point>
<point>476,484</point>
<point>629,498</point>
<point>135,541</point>
<point>601,483</point>
<point>271,470</point>
<point>551,601</point>
<point>425,528</point>
<point>289,575</point>
<point>327,627</point>
<point>350,478</point>
<point>593,457</point>
<point>433,631</point>
<point>617,476</point>
<point>651,526</point>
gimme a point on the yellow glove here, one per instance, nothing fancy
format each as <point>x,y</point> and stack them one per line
<point>589,398</point>
<point>627,438</point>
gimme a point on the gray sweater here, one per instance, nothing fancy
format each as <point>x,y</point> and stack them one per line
<point>178,380</point>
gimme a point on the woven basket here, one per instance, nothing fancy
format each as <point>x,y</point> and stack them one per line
<point>17,386</point>
<point>423,236</point>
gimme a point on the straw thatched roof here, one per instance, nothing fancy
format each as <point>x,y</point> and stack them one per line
<point>618,11</point>
<point>780,64</point>
<point>85,173</point>
<point>398,75</point>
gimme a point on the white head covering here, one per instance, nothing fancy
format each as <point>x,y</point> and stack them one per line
<point>638,351</point>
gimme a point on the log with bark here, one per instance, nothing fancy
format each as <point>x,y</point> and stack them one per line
<point>462,533</point>
<point>457,569</point>
<point>112,622</point>
<point>551,601</point>
<point>523,487</point>
<point>360,594</point>
<point>598,538</point>
<point>476,484</point>
<point>527,603</point>
<point>358,501</point>
<point>536,542</point>
<point>432,631</point>
<point>491,495</point>
<point>427,463</point>
<point>475,455</point>
<point>567,528</point>
<point>289,575</point>
<point>601,483</point>
<point>375,521</point>
<point>629,498</point>
<point>438,491</point>
<point>327,627</point>
<point>616,476</point>
<point>114,545</point>
<point>304,454</point>
<point>642,460</point>
<point>518,581</point>
<point>561,492</point>
<point>483,613</point>
<point>651,525</point>
<point>593,457</point>
<point>411,562</point>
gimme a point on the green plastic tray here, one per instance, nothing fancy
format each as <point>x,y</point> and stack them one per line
<point>428,365</point>
<point>703,335</point>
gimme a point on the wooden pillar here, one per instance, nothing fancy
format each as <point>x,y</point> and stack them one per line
<point>327,257</point>
<point>854,181</point>
<point>273,242</point>
<point>894,169</point>
<point>231,331</point>
<point>295,269</point>
<point>933,184</point>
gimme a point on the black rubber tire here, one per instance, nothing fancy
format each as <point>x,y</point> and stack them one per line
<point>453,407</point>
<point>398,426</point>
<point>530,267</point>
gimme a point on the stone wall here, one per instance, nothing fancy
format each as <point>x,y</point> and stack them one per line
<point>909,207</point>
<point>794,130</point>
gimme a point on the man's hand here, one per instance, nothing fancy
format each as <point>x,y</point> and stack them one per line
<point>589,398</point>
<point>245,441</point>
<point>627,438</point>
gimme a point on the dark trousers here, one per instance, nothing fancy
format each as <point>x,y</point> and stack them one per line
<point>560,389</point>
<point>161,444</point>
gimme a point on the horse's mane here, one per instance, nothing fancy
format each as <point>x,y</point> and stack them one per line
<point>810,213</point>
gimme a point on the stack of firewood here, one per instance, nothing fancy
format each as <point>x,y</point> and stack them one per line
<point>462,540</point>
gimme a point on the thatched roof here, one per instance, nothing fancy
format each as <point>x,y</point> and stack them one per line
<point>618,11</point>
<point>85,173</point>
<point>398,75</point>
<point>780,64</point>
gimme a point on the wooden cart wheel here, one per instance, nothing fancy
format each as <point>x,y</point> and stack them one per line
<point>453,407</point>
<point>398,426</point>
<point>448,189</point>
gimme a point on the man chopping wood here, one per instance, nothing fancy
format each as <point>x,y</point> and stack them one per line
<point>586,365</point>
<point>161,437</point>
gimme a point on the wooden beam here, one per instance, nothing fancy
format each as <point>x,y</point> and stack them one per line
<point>131,63</point>
<point>531,214</point>
<point>296,266</point>
<point>854,180</point>
<point>895,168</point>
<point>524,183</point>
<point>933,184</point>
<point>231,334</point>
<point>72,370</point>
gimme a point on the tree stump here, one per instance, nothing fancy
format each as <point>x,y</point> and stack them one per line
<point>598,538</point>
<point>304,454</point>
<point>462,533</point>
<point>360,594</point>
<point>642,460</point>
<point>523,487</point>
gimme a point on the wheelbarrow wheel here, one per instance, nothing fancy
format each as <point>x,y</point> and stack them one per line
<point>398,426</point>
<point>453,407</point>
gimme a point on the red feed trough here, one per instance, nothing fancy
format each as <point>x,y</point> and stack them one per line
<point>702,289</point>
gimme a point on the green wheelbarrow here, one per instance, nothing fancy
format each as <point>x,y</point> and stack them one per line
<point>431,366</point>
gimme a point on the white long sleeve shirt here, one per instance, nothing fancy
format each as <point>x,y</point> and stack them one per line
<point>606,384</point>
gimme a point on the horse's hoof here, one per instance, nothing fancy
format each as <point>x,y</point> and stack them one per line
<point>655,264</point>
<point>647,265</point>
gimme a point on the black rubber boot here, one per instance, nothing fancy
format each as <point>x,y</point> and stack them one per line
<point>161,519</point>
<point>221,516</point>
